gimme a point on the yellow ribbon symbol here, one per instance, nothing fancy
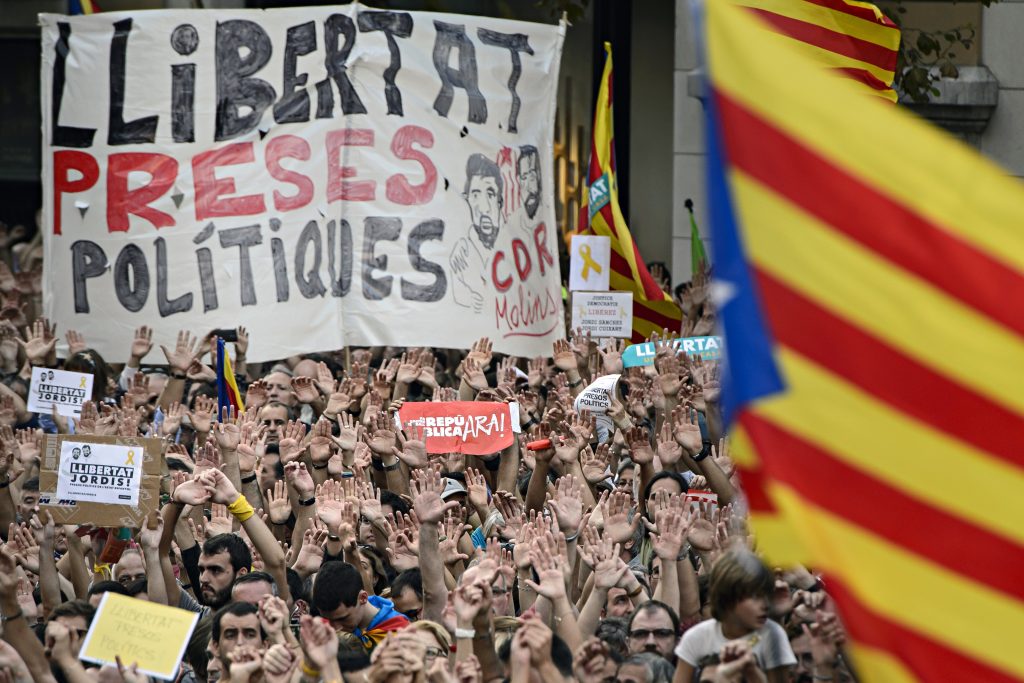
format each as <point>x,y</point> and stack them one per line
<point>131,458</point>
<point>81,383</point>
<point>588,261</point>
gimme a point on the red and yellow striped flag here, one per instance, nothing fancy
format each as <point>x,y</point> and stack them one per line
<point>653,309</point>
<point>854,38</point>
<point>869,266</point>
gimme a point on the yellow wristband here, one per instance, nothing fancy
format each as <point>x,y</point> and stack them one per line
<point>312,673</point>
<point>241,508</point>
<point>101,569</point>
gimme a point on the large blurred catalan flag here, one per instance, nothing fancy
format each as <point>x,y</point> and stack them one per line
<point>869,270</point>
<point>854,38</point>
<point>653,309</point>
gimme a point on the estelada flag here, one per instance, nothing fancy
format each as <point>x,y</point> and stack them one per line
<point>227,388</point>
<point>82,7</point>
<point>653,309</point>
<point>869,269</point>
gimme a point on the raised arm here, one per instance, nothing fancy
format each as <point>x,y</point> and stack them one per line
<point>430,508</point>
<point>223,491</point>
<point>16,630</point>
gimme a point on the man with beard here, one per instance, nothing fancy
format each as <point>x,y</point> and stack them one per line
<point>224,558</point>
<point>654,628</point>
<point>471,258</point>
<point>528,168</point>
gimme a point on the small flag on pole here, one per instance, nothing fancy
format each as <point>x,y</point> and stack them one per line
<point>227,389</point>
<point>653,309</point>
<point>698,257</point>
<point>83,7</point>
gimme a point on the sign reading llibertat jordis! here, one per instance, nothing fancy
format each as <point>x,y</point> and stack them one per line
<point>324,176</point>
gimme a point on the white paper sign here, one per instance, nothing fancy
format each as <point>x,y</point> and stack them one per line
<point>590,263</point>
<point>364,177</point>
<point>99,473</point>
<point>66,390</point>
<point>603,314</point>
<point>597,396</point>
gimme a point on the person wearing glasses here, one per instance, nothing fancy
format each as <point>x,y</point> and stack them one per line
<point>436,638</point>
<point>654,628</point>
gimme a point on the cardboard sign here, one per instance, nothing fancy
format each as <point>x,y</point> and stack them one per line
<point>603,314</point>
<point>372,177</point>
<point>66,390</point>
<point>151,635</point>
<point>469,427</point>
<point>88,489</point>
<point>99,473</point>
<point>708,348</point>
<point>590,258</point>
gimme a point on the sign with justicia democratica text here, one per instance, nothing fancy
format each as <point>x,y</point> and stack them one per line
<point>324,176</point>
<point>65,390</point>
<point>99,473</point>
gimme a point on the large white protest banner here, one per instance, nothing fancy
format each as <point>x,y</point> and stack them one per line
<point>323,176</point>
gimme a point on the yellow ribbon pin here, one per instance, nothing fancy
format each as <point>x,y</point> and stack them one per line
<point>588,261</point>
<point>131,458</point>
<point>81,383</point>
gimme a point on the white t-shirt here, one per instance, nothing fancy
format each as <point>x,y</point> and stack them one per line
<point>771,648</point>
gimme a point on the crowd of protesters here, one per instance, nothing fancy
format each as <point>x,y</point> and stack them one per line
<point>318,541</point>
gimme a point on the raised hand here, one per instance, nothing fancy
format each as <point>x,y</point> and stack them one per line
<point>473,373</point>
<point>595,464</point>
<point>426,487</point>
<point>686,430</point>
<point>382,436</point>
<point>668,450</point>
<point>611,356</point>
<point>278,506</point>
<point>564,357</point>
<point>40,341</point>
<point>616,509</point>
<point>330,504</point>
<point>220,487</point>
<point>172,419</point>
<point>76,342</point>
<point>321,445</point>
<point>298,478</point>
<point>201,416</point>
<point>142,343</point>
<point>566,506</point>
<point>721,457</point>
<point>278,664</point>
<point>311,555</point>
<point>550,568</point>
<point>304,389</point>
<point>220,521</point>
<point>481,353</point>
<point>639,443</point>
<point>408,370</point>
<point>290,444</point>
<point>227,431</point>
<point>673,526</point>
<point>702,530</point>
<point>191,492</point>
<point>414,448</point>
<point>186,349</point>
<point>256,395</point>
<point>428,371</point>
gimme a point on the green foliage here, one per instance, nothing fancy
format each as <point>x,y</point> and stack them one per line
<point>926,57</point>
